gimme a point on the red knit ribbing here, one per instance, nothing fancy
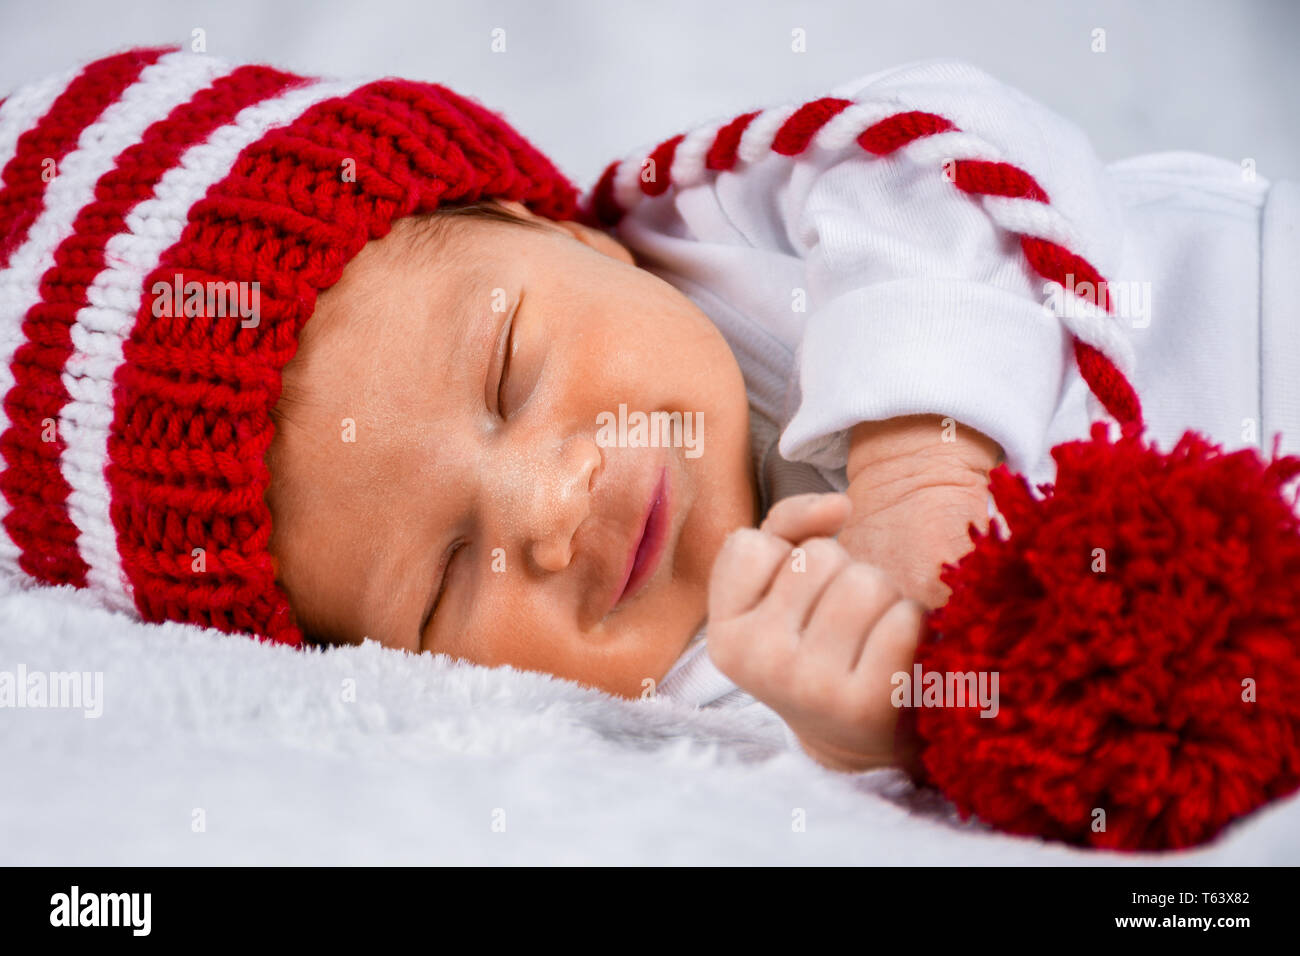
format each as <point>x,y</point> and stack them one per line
<point>662,164</point>
<point>34,483</point>
<point>55,135</point>
<point>1113,390</point>
<point>895,132</point>
<point>981,177</point>
<point>797,132</point>
<point>193,412</point>
<point>1055,262</point>
<point>722,154</point>
<point>604,208</point>
<point>523,168</point>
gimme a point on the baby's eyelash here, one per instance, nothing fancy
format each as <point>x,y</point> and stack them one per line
<point>442,585</point>
<point>505,367</point>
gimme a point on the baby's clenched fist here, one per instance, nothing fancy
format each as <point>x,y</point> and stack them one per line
<point>815,635</point>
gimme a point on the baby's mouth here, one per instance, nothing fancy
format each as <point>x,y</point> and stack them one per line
<point>648,547</point>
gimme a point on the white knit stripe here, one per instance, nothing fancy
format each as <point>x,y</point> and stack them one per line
<point>688,161</point>
<point>627,182</point>
<point>1093,325</point>
<point>851,122</point>
<point>1029,217</point>
<point>115,296</point>
<point>26,107</point>
<point>1085,320</point>
<point>160,88</point>
<point>939,148</point>
<point>756,140</point>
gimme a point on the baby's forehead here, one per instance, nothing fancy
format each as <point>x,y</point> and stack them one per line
<point>414,257</point>
<point>406,306</point>
<point>447,269</point>
<point>458,252</point>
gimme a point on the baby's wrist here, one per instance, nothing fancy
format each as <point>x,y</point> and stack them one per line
<point>912,450</point>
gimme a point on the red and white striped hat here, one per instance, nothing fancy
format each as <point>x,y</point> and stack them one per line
<point>132,434</point>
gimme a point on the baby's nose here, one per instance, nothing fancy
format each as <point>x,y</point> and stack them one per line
<point>559,501</point>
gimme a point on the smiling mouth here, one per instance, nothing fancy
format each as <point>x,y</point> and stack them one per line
<point>649,548</point>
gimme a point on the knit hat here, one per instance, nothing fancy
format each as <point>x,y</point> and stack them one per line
<point>167,220</point>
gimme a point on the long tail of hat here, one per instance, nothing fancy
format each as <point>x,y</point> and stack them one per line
<point>1011,197</point>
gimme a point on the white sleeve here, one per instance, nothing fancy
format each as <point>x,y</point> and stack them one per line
<point>918,300</point>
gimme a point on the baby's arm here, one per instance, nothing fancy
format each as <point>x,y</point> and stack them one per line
<point>916,483</point>
<point>813,634</point>
<point>922,299</point>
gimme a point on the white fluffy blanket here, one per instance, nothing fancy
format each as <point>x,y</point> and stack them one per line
<point>219,750</point>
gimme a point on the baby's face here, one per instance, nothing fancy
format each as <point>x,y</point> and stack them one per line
<point>439,479</point>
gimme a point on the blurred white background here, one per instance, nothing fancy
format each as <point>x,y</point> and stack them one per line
<point>589,81</point>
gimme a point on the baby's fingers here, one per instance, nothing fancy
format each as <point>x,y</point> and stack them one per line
<point>742,571</point>
<point>847,611</point>
<point>891,646</point>
<point>813,515</point>
<point>798,585</point>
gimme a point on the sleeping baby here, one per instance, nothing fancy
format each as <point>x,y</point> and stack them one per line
<point>711,434</point>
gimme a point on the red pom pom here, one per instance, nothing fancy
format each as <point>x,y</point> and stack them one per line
<point>1144,622</point>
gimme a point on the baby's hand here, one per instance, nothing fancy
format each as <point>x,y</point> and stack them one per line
<point>815,635</point>
<point>916,484</point>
